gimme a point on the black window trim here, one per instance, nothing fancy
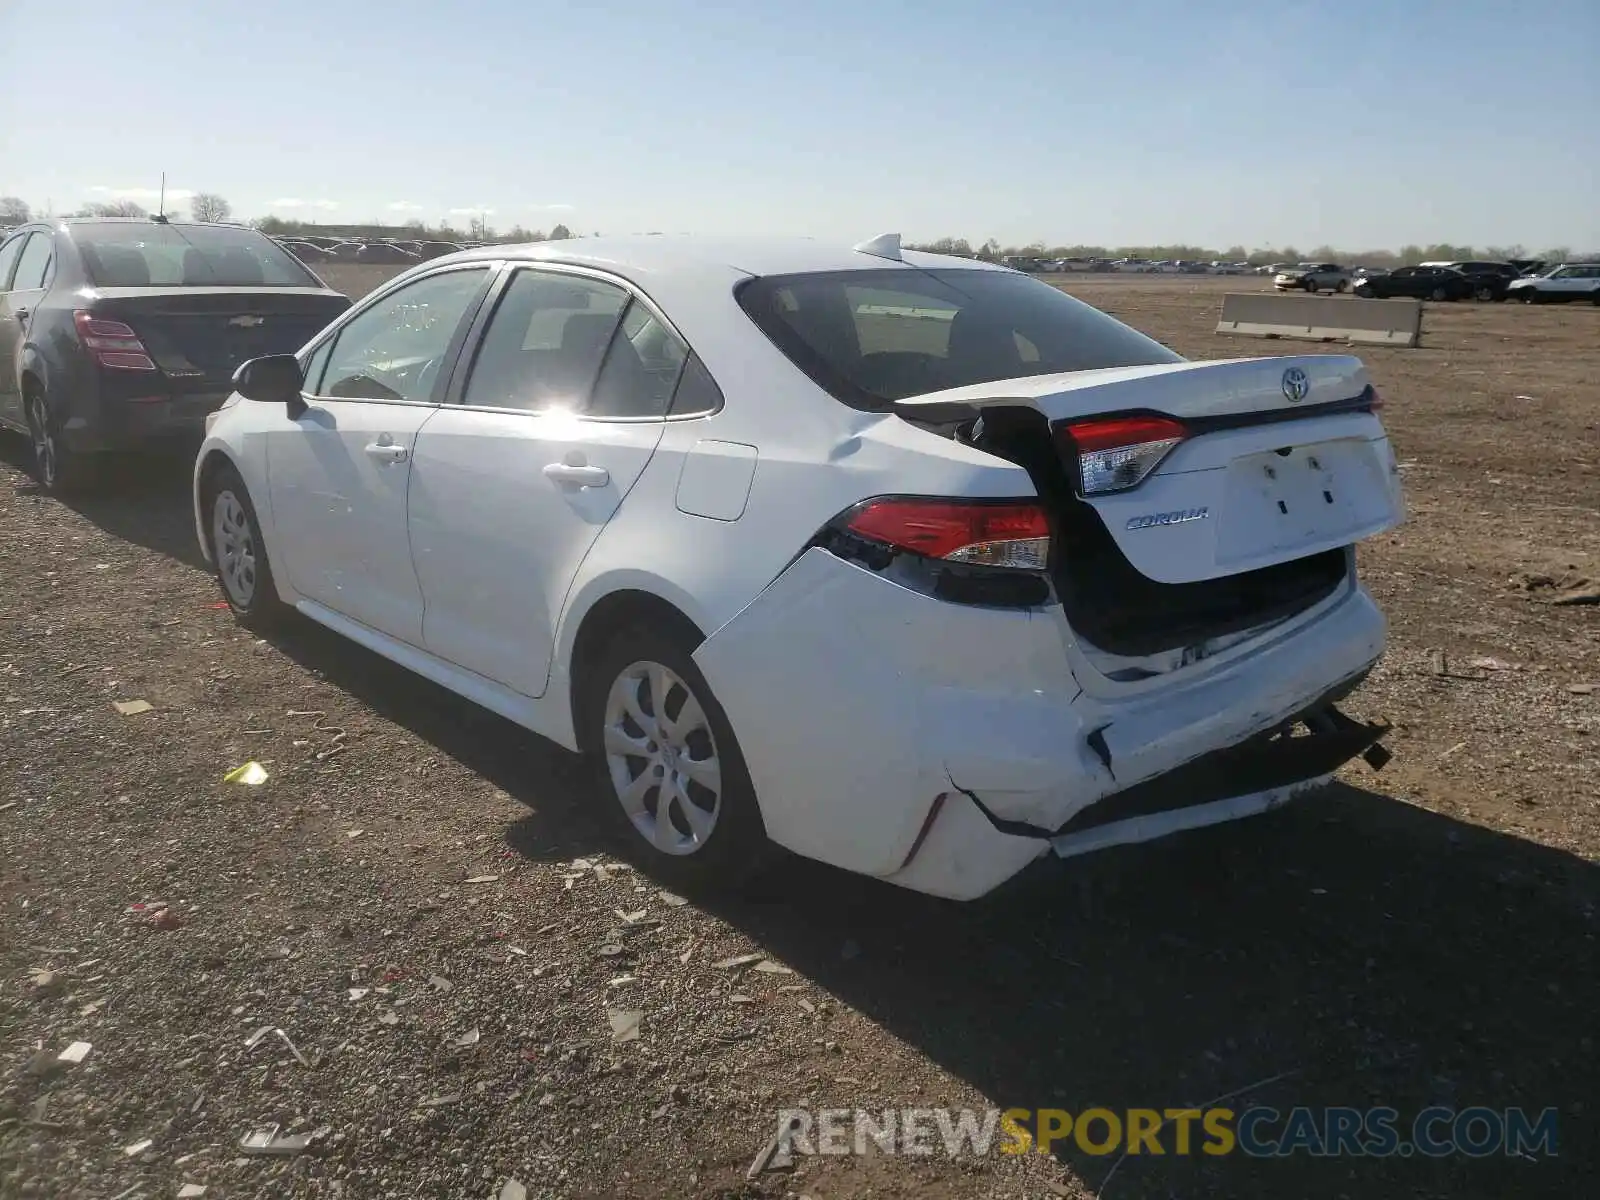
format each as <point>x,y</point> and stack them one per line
<point>331,334</point>
<point>466,361</point>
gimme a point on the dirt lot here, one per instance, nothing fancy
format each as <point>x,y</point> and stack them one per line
<point>422,915</point>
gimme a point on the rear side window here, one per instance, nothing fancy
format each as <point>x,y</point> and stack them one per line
<point>870,338</point>
<point>36,264</point>
<point>641,368</point>
<point>545,343</point>
<point>140,254</point>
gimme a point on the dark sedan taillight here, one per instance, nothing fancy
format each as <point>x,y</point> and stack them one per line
<point>112,344</point>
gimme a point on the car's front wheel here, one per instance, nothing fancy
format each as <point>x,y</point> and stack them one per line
<point>1343,286</point>
<point>672,779</point>
<point>1530,295</point>
<point>1439,294</point>
<point>1483,293</point>
<point>238,554</point>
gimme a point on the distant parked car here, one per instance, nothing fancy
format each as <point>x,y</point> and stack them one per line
<point>346,251</point>
<point>1313,278</point>
<point>120,334</point>
<point>1419,283</point>
<point>1367,272</point>
<point>1489,279</point>
<point>383,254</point>
<point>1569,281</point>
<point>439,249</point>
<point>306,252</point>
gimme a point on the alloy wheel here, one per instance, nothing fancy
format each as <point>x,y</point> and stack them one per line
<point>235,547</point>
<point>46,461</point>
<point>661,756</point>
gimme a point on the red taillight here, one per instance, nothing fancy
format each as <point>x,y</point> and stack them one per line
<point>1117,453</point>
<point>1011,533</point>
<point>112,343</point>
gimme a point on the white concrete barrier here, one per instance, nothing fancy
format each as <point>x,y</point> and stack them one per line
<point>1322,318</point>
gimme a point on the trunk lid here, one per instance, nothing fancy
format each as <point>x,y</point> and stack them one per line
<point>1284,457</point>
<point>202,334</point>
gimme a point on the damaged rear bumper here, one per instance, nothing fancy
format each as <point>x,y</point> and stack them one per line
<point>944,747</point>
<point>1261,774</point>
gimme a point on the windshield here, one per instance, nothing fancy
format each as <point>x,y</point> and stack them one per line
<point>136,254</point>
<point>869,338</point>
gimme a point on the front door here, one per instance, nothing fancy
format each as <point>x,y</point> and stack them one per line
<point>557,418</point>
<point>23,261</point>
<point>338,475</point>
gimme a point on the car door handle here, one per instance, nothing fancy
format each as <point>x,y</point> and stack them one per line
<point>22,316</point>
<point>388,452</point>
<point>578,474</point>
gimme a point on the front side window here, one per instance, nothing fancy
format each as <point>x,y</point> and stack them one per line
<point>872,337</point>
<point>150,254</point>
<point>396,349</point>
<point>36,264</point>
<point>545,343</point>
<point>9,253</point>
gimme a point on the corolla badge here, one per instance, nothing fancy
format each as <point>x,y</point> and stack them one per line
<point>1181,516</point>
<point>1296,385</point>
<point>247,322</point>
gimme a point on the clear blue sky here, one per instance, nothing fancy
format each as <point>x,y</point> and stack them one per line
<point>1362,123</point>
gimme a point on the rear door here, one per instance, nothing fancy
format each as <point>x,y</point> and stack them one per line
<point>338,475</point>
<point>1270,459</point>
<point>36,266</point>
<point>10,333</point>
<point>557,409</point>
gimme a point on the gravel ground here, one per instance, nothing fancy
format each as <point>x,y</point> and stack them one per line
<point>418,899</point>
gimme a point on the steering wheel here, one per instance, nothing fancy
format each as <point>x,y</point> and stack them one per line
<point>428,376</point>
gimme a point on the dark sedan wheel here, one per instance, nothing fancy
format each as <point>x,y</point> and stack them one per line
<point>1530,295</point>
<point>57,470</point>
<point>1343,286</point>
<point>1364,290</point>
<point>1439,293</point>
<point>1483,292</point>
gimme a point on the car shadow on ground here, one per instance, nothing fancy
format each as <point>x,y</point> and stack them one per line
<point>1351,950</point>
<point>143,499</point>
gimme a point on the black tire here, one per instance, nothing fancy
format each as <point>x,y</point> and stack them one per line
<point>1530,295</point>
<point>1364,290</point>
<point>736,849</point>
<point>1311,286</point>
<point>1483,293</point>
<point>1439,294</point>
<point>57,470</point>
<point>1342,286</point>
<point>257,606</point>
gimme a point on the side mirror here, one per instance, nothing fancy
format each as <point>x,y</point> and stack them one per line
<point>275,379</point>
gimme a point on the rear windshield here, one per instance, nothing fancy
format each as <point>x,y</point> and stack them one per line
<point>870,338</point>
<point>140,255</point>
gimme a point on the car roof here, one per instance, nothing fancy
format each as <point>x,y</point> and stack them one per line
<point>657,256</point>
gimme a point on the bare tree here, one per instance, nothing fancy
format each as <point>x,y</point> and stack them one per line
<point>208,206</point>
<point>118,208</point>
<point>14,211</point>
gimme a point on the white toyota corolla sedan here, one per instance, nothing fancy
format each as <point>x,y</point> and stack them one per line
<point>910,564</point>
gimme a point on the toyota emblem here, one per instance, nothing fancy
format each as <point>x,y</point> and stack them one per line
<point>1296,385</point>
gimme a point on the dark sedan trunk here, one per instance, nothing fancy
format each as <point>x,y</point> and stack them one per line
<point>199,336</point>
